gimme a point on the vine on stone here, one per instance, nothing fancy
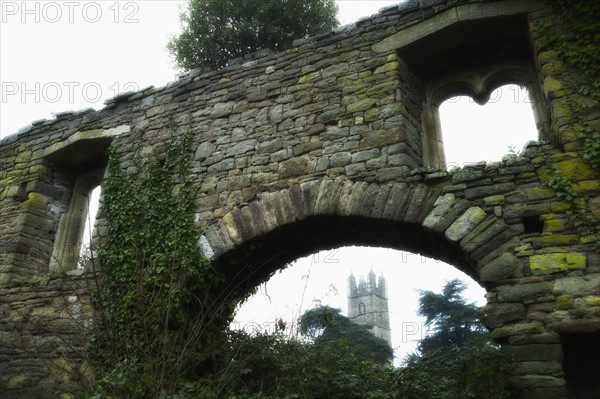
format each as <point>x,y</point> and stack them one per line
<point>157,315</point>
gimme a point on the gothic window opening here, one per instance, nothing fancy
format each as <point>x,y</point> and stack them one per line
<point>488,132</point>
<point>362,309</point>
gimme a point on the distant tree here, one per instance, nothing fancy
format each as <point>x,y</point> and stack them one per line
<point>215,31</point>
<point>457,360</point>
<point>451,319</point>
<point>326,326</point>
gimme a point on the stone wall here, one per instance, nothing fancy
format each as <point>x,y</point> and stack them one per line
<point>332,142</point>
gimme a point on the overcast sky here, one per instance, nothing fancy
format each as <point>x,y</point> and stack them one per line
<point>57,56</point>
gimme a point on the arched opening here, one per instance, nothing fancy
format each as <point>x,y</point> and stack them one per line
<point>321,279</point>
<point>474,132</point>
<point>472,57</point>
<point>318,238</point>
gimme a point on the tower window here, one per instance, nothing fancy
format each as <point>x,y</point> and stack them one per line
<point>362,308</point>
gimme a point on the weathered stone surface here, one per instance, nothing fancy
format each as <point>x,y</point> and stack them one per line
<point>523,292</point>
<point>501,313</point>
<point>500,268</point>
<point>552,263</point>
<point>442,207</point>
<point>533,327</point>
<point>574,285</point>
<point>467,221</point>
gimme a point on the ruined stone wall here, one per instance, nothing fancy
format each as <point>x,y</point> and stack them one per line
<point>322,145</point>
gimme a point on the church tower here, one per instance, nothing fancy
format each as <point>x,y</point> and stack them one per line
<point>368,304</point>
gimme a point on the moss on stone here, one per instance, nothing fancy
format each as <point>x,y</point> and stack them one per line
<point>553,86</point>
<point>564,302</point>
<point>553,68</point>
<point>387,67</point>
<point>559,206</point>
<point>555,225</point>
<point>556,262</point>
<point>538,193</point>
<point>18,381</point>
<point>23,154</point>
<point>593,300</point>
<point>559,240</point>
<point>529,327</point>
<point>35,199</point>
<point>310,77</point>
<point>385,112</point>
<point>361,105</point>
<point>587,187</point>
<point>494,200</point>
<point>39,170</point>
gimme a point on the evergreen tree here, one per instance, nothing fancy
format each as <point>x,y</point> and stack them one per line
<point>215,31</point>
<point>326,326</point>
<point>451,319</point>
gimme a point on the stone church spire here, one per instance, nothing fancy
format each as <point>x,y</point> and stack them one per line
<point>368,304</point>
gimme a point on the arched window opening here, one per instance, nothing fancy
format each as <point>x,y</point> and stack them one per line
<point>473,133</point>
<point>362,308</point>
<point>321,279</point>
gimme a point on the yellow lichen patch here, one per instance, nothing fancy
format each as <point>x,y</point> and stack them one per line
<point>530,327</point>
<point>553,263</point>
<point>553,68</point>
<point>17,381</point>
<point>574,169</point>
<point>587,186</point>
<point>39,170</point>
<point>35,200</point>
<point>555,225</point>
<point>593,300</point>
<point>538,193</point>
<point>311,77</point>
<point>553,86</point>
<point>559,240</point>
<point>390,66</point>
<point>564,302</point>
<point>23,154</point>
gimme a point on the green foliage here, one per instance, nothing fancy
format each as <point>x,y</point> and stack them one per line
<point>573,31</point>
<point>215,31</point>
<point>584,221</point>
<point>457,361</point>
<point>154,327</point>
<point>451,319</point>
<point>327,327</point>
<point>576,37</point>
<point>469,372</point>
<point>272,367</point>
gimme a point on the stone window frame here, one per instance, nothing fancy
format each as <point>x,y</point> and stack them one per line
<point>479,86</point>
<point>83,154</point>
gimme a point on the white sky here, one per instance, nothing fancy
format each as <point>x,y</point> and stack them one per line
<point>58,56</point>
